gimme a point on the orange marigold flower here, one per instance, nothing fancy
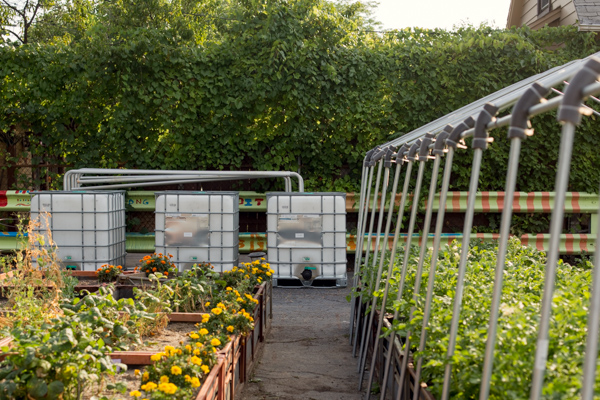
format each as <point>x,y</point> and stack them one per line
<point>163,262</point>
<point>154,269</point>
<point>166,273</point>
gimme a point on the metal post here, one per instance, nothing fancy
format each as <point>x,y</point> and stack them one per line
<point>569,114</point>
<point>415,205</point>
<point>375,288</point>
<point>399,157</point>
<point>591,346</point>
<point>438,151</point>
<point>516,133</point>
<point>480,141</point>
<point>376,157</point>
<point>358,233</point>
<point>364,345</point>
<point>423,156</point>
<point>396,237</point>
<point>360,243</point>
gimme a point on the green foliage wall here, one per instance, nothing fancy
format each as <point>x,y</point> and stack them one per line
<point>274,86</point>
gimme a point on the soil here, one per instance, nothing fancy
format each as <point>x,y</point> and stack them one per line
<point>172,335</point>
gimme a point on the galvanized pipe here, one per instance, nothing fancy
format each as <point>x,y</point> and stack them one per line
<point>368,249</point>
<point>241,174</point>
<point>358,256</point>
<point>556,222</point>
<point>517,132</point>
<point>358,233</point>
<point>391,265</point>
<point>480,143</point>
<point>411,225</point>
<point>569,114</point>
<point>379,273</point>
<point>591,346</point>
<point>434,257</point>
<point>374,281</point>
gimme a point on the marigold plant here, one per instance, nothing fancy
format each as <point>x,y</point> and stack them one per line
<point>108,273</point>
<point>157,263</point>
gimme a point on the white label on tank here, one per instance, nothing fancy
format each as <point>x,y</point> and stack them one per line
<point>187,234</point>
<point>299,235</point>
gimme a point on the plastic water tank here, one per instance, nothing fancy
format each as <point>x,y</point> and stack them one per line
<point>88,227</point>
<point>306,237</point>
<point>198,227</point>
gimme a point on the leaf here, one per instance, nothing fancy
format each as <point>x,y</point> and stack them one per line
<point>36,388</point>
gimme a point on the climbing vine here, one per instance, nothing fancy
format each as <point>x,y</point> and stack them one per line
<point>278,85</point>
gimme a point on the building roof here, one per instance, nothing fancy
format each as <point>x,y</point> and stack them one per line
<point>588,12</point>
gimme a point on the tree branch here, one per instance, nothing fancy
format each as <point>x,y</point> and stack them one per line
<point>13,33</point>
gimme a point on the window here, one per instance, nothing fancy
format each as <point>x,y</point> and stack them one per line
<point>543,6</point>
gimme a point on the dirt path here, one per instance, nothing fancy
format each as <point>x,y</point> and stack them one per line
<point>306,354</point>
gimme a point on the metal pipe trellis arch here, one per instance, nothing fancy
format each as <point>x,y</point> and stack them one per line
<point>444,137</point>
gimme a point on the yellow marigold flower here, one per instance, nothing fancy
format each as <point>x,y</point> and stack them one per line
<point>246,276</point>
<point>203,331</point>
<point>135,393</point>
<point>156,357</point>
<point>196,352</point>
<point>262,259</point>
<point>268,273</point>
<point>145,376</point>
<point>215,342</point>
<point>221,305</point>
<point>194,336</point>
<point>150,386</point>
<point>195,360</point>
<point>188,347</point>
<point>228,289</point>
<point>198,344</point>
<point>195,382</point>
<point>168,388</point>
<point>230,329</point>
<point>216,311</point>
<point>136,372</point>
<point>175,370</point>
<point>207,304</point>
<point>164,379</point>
<point>259,279</point>
<point>179,352</point>
<point>187,378</point>
<point>169,348</point>
<point>239,299</point>
<point>205,369</point>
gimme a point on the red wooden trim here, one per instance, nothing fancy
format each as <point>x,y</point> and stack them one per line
<point>185,317</point>
<point>133,357</point>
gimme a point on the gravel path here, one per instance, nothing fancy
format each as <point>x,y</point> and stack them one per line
<point>306,353</point>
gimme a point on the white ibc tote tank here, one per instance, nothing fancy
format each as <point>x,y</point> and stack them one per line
<point>88,227</point>
<point>198,227</point>
<point>306,238</point>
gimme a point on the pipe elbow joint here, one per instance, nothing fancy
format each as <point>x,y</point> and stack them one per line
<point>570,107</point>
<point>519,123</point>
<point>454,138</point>
<point>487,115</point>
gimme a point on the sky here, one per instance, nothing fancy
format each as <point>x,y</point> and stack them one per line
<point>399,14</point>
